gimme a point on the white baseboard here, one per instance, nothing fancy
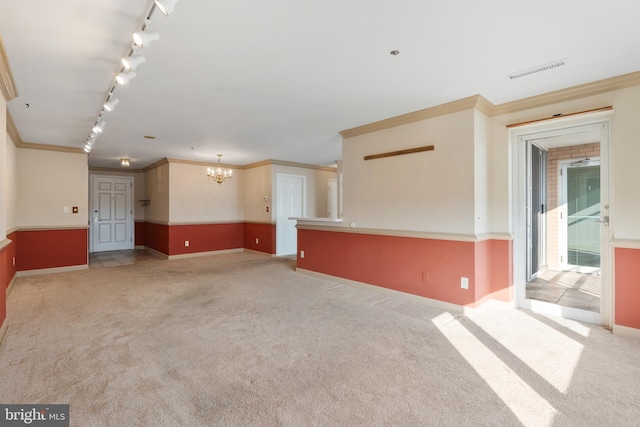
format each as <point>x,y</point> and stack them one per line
<point>3,330</point>
<point>140,247</point>
<point>626,331</point>
<point>10,287</point>
<point>197,254</point>
<point>258,252</point>
<point>163,255</point>
<point>51,270</point>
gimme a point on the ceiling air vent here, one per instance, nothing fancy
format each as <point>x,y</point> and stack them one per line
<point>537,69</point>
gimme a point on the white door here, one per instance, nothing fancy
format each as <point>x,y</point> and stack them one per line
<point>587,132</point>
<point>111,213</point>
<point>290,194</point>
<point>332,198</point>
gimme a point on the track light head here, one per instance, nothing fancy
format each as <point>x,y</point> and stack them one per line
<point>99,127</point>
<point>143,38</point>
<point>166,6</point>
<point>132,62</point>
<point>124,78</point>
<point>111,104</point>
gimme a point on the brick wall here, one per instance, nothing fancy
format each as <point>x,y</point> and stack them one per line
<point>554,157</point>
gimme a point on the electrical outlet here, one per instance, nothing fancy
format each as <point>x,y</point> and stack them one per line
<point>66,209</point>
<point>257,241</point>
<point>14,260</point>
<point>425,276</point>
<point>464,283</point>
<point>186,243</point>
<point>301,254</point>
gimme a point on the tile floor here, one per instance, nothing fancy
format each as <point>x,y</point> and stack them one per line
<point>567,288</point>
<point>116,258</point>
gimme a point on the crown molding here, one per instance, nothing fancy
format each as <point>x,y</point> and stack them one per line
<point>46,147</point>
<point>416,116</point>
<point>486,107</point>
<point>121,170</point>
<point>155,165</point>
<point>12,130</point>
<point>7,84</point>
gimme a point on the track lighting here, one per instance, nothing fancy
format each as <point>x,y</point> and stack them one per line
<point>143,38</point>
<point>111,104</point>
<point>132,62</point>
<point>124,162</point>
<point>166,6</point>
<point>99,127</point>
<point>87,149</point>
<point>124,78</point>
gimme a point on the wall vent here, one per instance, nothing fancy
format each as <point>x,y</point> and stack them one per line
<point>544,67</point>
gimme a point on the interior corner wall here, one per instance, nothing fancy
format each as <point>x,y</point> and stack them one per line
<point>156,183</point>
<point>259,232</point>
<point>48,236</point>
<point>11,186</point>
<point>481,191</point>
<point>3,208</point>
<point>431,191</point>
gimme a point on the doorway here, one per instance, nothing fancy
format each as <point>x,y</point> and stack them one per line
<point>561,242</point>
<point>111,213</point>
<point>291,203</point>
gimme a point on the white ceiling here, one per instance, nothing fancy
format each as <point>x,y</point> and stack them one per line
<point>258,80</point>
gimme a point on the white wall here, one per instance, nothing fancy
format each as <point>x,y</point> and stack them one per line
<point>624,151</point>
<point>47,182</point>
<point>257,184</point>
<point>195,198</point>
<point>12,185</point>
<point>139,189</point>
<point>482,125</point>
<point>156,183</point>
<point>430,191</point>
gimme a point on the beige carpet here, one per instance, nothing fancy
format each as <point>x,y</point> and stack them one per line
<point>242,339</point>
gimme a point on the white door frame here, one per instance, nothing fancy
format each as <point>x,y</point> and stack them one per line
<point>131,221</point>
<point>518,145</point>
<point>277,213</point>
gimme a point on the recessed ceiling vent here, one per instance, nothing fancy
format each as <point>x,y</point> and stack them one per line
<point>537,69</point>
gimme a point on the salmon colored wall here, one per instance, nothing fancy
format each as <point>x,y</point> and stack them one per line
<point>139,233</point>
<point>204,238</point>
<point>156,237</point>
<point>10,252</point>
<point>627,273</point>
<point>51,248</point>
<point>393,262</point>
<point>426,267</point>
<point>266,235</point>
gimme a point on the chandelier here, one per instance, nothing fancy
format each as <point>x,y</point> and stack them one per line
<point>217,174</point>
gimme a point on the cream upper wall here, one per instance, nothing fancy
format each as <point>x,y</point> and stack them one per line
<point>139,189</point>
<point>4,140</point>
<point>195,198</point>
<point>156,183</point>
<point>482,126</point>
<point>316,188</point>
<point>47,182</point>
<point>431,191</point>
<point>257,185</point>
<point>12,185</point>
<point>624,150</point>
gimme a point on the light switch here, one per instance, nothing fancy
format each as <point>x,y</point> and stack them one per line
<point>66,209</point>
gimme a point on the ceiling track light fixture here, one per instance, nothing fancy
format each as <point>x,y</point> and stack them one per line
<point>165,6</point>
<point>132,62</point>
<point>143,38</point>
<point>111,104</point>
<point>125,162</point>
<point>99,127</point>
<point>125,78</point>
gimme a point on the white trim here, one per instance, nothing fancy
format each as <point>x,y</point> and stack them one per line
<point>163,255</point>
<point>53,270</point>
<point>3,330</point>
<point>5,243</point>
<point>171,224</point>
<point>10,287</point>
<point>52,227</point>
<point>407,233</point>
<point>139,247</point>
<point>260,253</point>
<point>626,331</point>
<point>517,139</point>
<point>625,243</point>
<point>198,254</point>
